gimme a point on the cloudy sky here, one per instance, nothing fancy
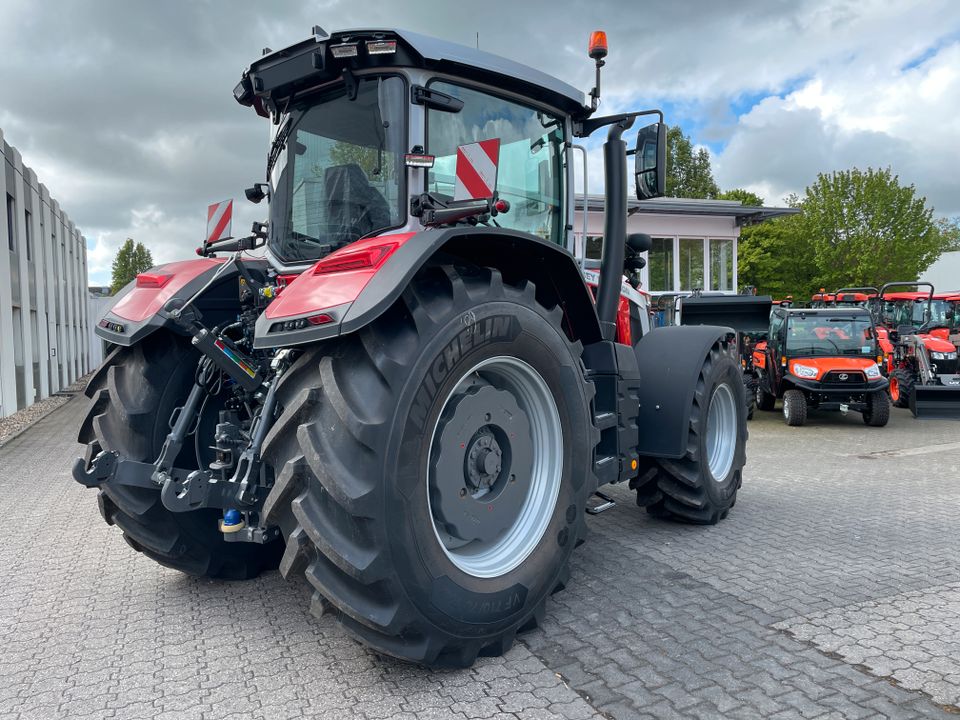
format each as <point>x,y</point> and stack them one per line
<point>124,108</point>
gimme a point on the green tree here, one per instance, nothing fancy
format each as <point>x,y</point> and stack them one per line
<point>744,196</point>
<point>688,170</point>
<point>866,228</point>
<point>777,258</point>
<point>949,228</point>
<point>131,260</point>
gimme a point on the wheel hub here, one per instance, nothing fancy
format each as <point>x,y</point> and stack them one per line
<point>483,464</point>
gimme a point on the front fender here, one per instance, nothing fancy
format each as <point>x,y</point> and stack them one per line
<point>670,359</point>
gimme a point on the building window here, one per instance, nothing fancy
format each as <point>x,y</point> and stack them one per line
<point>28,233</point>
<point>594,246</point>
<point>721,265</point>
<point>691,264</point>
<point>11,224</point>
<point>660,265</point>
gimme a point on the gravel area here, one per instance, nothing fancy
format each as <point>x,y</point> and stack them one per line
<point>13,425</point>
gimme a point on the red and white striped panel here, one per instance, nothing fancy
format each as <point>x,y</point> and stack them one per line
<point>477,170</point>
<point>219,221</point>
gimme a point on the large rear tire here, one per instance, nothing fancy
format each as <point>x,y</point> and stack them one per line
<point>433,468</point>
<point>764,400</point>
<point>133,395</point>
<point>702,486</point>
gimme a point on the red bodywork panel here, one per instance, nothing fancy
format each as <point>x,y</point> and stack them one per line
<point>623,322</point>
<point>141,303</point>
<point>310,292</point>
<point>934,343</point>
<point>760,355</point>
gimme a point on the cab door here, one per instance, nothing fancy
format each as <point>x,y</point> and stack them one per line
<point>775,347</point>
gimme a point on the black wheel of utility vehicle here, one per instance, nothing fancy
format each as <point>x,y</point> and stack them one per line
<point>764,400</point>
<point>750,384</point>
<point>877,413</point>
<point>132,397</point>
<point>901,387</point>
<point>702,486</point>
<point>794,407</point>
<point>433,468</point>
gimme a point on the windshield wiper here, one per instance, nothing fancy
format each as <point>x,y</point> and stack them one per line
<point>279,142</point>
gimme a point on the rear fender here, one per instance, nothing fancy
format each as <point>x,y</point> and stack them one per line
<point>317,307</point>
<point>138,311</point>
<point>670,359</point>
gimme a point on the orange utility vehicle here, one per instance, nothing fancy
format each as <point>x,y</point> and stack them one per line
<point>821,358</point>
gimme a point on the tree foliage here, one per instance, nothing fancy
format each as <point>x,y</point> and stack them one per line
<point>777,258</point>
<point>856,228</point>
<point>868,229</point>
<point>688,170</point>
<point>744,196</point>
<point>131,260</point>
<point>949,229</point>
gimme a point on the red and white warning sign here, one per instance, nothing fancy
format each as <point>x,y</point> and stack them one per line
<point>477,170</point>
<point>219,221</point>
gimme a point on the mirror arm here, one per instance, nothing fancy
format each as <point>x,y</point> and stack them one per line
<point>587,127</point>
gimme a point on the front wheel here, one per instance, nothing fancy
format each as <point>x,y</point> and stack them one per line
<point>433,468</point>
<point>794,407</point>
<point>877,413</point>
<point>702,486</point>
<point>901,387</point>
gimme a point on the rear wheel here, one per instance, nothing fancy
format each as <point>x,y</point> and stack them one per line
<point>901,387</point>
<point>133,396</point>
<point>765,401</point>
<point>794,407</point>
<point>877,413</point>
<point>702,486</point>
<point>433,468</point>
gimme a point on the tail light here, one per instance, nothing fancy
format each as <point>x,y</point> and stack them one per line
<point>362,259</point>
<point>152,280</point>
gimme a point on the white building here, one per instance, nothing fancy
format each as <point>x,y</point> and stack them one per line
<point>694,241</point>
<point>945,272</point>
<point>44,339</point>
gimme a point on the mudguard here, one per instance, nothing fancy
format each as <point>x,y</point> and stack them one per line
<point>670,359</point>
<point>316,307</point>
<point>137,310</point>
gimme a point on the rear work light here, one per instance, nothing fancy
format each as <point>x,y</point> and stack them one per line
<point>368,257</point>
<point>152,280</point>
<point>381,47</point>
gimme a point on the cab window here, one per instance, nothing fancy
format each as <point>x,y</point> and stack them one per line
<point>530,171</point>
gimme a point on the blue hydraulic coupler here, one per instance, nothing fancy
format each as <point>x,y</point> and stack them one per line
<point>232,521</point>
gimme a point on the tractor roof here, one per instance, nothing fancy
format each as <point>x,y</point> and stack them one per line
<point>829,312</point>
<point>911,295</point>
<point>282,74</point>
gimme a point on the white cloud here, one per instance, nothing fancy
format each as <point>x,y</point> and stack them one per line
<point>858,115</point>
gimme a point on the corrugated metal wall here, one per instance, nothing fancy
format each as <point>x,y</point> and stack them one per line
<point>44,318</point>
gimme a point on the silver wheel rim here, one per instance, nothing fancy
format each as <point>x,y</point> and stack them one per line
<point>786,410</point>
<point>489,559</point>
<point>721,432</point>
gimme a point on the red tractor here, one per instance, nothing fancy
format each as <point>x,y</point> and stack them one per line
<point>924,373</point>
<point>411,397</point>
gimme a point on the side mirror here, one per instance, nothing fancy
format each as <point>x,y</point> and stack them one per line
<point>639,242</point>
<point>651,161</point>
<point>256,193</point>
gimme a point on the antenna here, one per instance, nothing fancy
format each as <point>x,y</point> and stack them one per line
<point>478,39</point>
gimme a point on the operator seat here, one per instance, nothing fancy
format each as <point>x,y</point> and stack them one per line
<point>354,207</point>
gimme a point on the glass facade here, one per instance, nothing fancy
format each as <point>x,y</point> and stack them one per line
<point>721,265</point>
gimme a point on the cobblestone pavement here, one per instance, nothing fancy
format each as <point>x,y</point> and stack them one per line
<point>833,590</point>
